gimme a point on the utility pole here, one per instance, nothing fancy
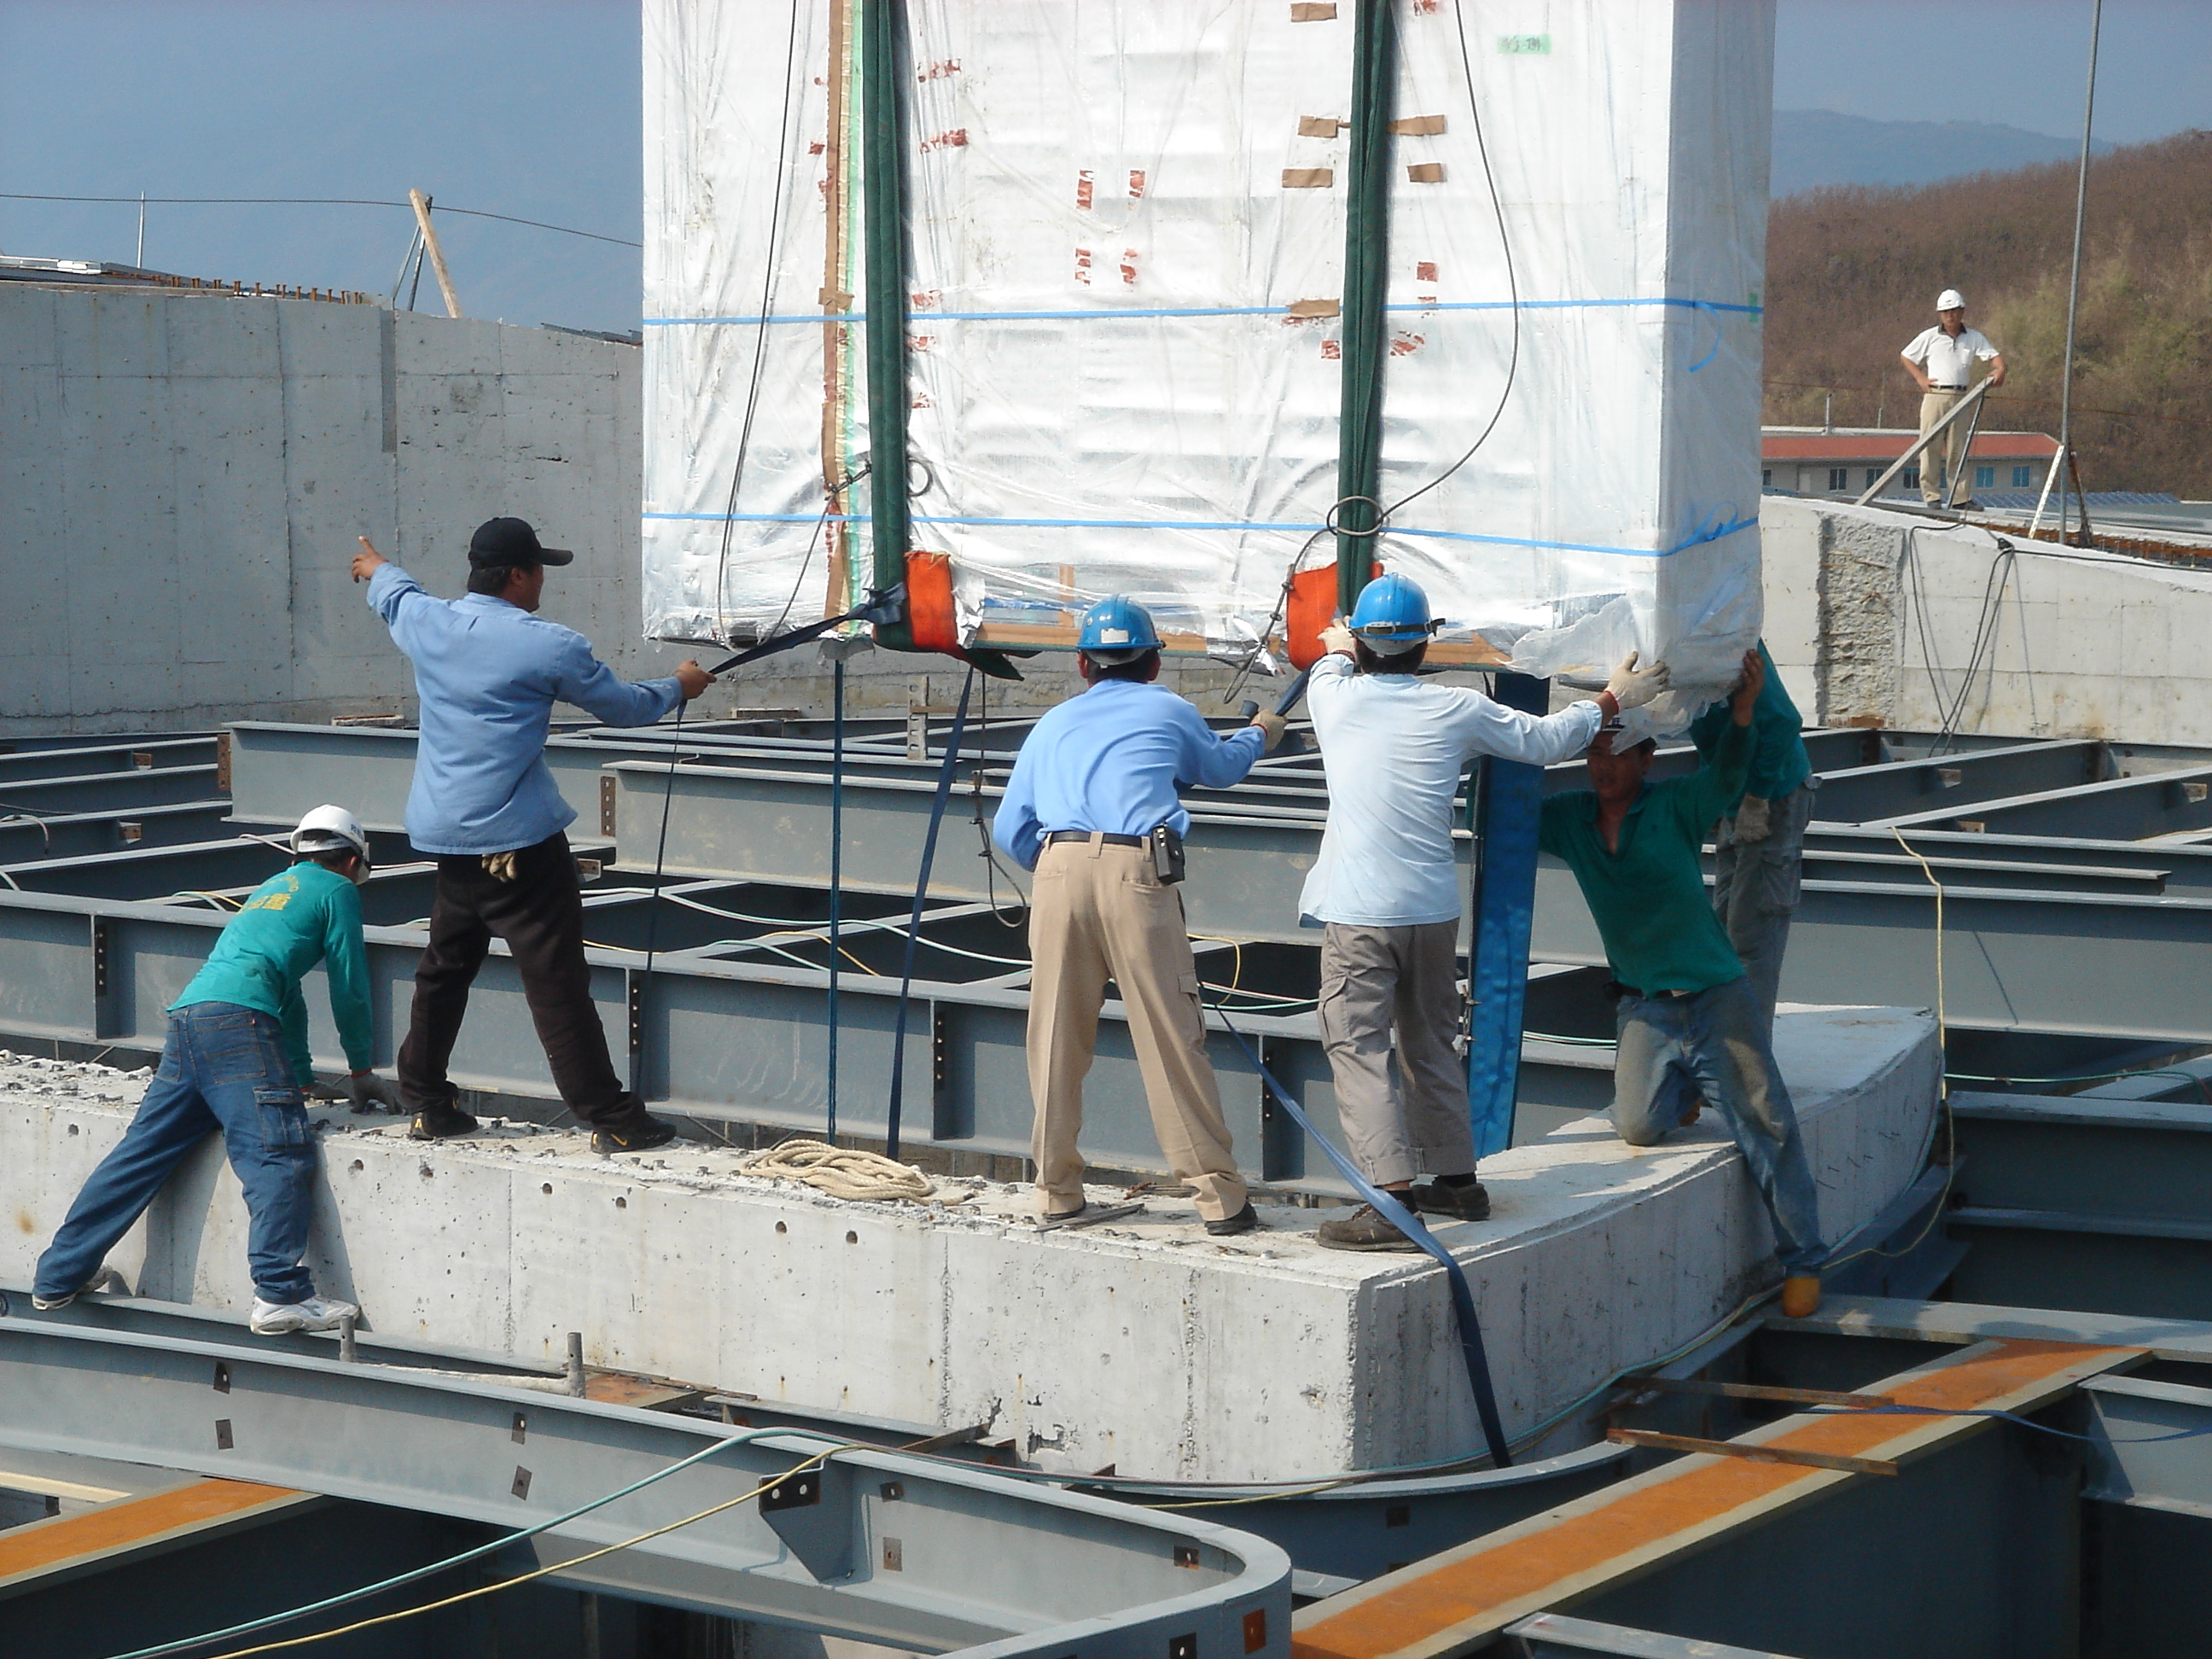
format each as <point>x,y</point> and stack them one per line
<point>2074,284</point>
<point>422,204</point>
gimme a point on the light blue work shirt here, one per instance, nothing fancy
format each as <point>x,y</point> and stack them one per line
<point>487,674</point>
<point>1111,760</point>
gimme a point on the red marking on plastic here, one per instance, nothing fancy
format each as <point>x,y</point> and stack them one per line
<point>1082,264</point>
<point>1083,191</point>
<point>937,70</point>
<point>927,298</point>
<point>1331,350</point>
<point>816,147</point>
<point>1129,265</point>
<point>1404,345</point>
<point>1136,183</point>
<point>955,138</point>
<point>923,342</point>
<point>1425,272</point>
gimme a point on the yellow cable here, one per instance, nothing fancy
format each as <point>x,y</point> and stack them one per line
<point>540,1573</point>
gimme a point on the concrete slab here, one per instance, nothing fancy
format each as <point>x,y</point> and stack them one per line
<point>1146,1344</point>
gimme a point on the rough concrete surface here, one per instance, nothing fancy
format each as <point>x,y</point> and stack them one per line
<point>1872,617</point>
<point>1147,1344</point>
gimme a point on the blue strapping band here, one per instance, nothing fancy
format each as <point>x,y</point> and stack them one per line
<point>1462,1299</point>
<point>914,922</point>
<point>1712,311</point>
<point>1105,314</point>
<point>1708,532</point>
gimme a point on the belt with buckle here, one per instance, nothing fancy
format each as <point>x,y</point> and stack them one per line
<point>1058,835</point>
<point>1947,388</point>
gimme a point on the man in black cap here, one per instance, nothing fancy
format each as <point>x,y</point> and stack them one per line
<point>488,674</point>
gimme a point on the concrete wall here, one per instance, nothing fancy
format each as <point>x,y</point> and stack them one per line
<point>1872,617</point>
<point>182,477</point>
<point>1145,1343</point>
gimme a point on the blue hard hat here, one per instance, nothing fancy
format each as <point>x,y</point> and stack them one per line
<point>1117,629</point>
<point>1393,614</point>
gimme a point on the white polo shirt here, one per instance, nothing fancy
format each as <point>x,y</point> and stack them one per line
<point>1393,748</point>
<point>1949,360</point>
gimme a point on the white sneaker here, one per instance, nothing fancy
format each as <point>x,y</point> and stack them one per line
<point>315,1313</point>
<point>48,1304</point>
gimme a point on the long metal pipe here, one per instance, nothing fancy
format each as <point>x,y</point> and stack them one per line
<point>2073,282</point>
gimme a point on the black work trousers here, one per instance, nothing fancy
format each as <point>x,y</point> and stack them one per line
<point>539,916</point>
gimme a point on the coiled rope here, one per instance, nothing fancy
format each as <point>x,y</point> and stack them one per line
<point>841,1171</point>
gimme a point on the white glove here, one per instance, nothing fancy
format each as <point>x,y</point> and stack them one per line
<point>1633,687</point>
<point>1336,639</point>
<point>1272,727</point>
<point>368,1092</point>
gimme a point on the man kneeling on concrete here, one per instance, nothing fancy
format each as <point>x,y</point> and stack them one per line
<point>1393,747</point>
<point>1091,808</point>
<point>236,1060</point>
<point>1689,1023</point>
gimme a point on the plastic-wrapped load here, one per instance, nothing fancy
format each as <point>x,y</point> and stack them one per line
<point>1125,339</point>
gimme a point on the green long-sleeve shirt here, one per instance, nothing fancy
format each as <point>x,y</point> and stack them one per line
<point>1779,760</point>
<point>307,914</point>
<point>1648,899</point>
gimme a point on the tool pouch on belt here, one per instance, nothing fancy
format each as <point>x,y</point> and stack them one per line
<point>1167,854</point>
<point>501,866</point>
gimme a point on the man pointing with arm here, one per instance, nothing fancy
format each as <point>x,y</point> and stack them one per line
<point>488,672</point>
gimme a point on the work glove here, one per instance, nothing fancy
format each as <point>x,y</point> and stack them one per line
<point>1336,638</point>
<point>501,865</point>
<point>369,1092</point>
<point>1633,687</point>
<point>1272,727</point>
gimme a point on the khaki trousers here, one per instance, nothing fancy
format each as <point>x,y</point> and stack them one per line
<point>1099,912</point>
<point>1952,445</point>
<point>1376,982</point>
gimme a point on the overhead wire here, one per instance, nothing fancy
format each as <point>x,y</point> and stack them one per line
<point>314,201</point>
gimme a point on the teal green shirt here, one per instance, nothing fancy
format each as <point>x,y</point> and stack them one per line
<point>1778,762</point>
<point>1648,899</point>
<point>292,921</point>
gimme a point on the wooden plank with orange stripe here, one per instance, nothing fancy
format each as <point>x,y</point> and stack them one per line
<point>1456,1601</point>
<point>67,1546</point>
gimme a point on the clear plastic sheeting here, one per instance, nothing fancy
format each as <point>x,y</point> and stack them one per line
<point>1124,354</point>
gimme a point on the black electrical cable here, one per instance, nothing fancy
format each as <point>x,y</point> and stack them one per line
<point>760,334</point>
<point>313,200</point>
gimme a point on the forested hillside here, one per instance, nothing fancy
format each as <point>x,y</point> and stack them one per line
<point>1852,275</point>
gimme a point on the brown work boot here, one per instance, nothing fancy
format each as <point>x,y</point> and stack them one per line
<point>1364,1229</point>
<point>1801,1295</point>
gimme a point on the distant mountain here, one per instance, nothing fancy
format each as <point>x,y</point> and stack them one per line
<point>1852,273</point>
<point>1814,148</point>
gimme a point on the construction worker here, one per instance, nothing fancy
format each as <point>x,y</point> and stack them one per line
<point>1386,889</point>
<point>1941,359</point>
<point>236,1061</point>
<point>1091,808</point>
<point>1688,1023</point>
<point>1759,849</point>
<point>487,672</point>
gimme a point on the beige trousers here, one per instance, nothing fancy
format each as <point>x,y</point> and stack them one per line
<point>1952,445</point>
<point>1382,983</point>
<point>1098,912</point>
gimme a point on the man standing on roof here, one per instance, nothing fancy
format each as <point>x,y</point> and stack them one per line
<point>1394,747</point>
<point>236,1062</point>
<point>1759,850</point>
<point>1688,1022</point>
<point>487,672</point>
<point>1091,808</point>
<point>1942,361</point>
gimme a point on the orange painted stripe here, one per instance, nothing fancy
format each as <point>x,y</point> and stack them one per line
<point>1459,1590</point>
<point>46,1545</point>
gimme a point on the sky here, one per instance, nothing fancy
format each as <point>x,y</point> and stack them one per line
<point>533,109</point>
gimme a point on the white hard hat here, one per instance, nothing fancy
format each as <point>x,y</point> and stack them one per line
<point>327,830</point>
<point>1950,299</point>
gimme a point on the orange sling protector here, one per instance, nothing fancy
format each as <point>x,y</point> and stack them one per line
<point>1312,607</point>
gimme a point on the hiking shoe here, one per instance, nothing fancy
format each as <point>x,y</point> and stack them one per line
<point>1244,1221</point>
<point>440,1122</point>
<point>1364,1229</point>
<point>641,1136</point>
<point>1461,1197</point>
<point>313,1313</point>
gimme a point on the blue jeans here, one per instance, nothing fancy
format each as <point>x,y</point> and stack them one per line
<point>223,1067</point>
<point>1716,1043</point>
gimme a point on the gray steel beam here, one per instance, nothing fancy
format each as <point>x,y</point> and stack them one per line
<point>102,791</point>
<point>73,834</point>
<point>86,759</point>
<point>2102,865</point>
<point>1879,793</point>
<point>883,1548</point>
<point>1556,1636</point>
<point>2119,808</point>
